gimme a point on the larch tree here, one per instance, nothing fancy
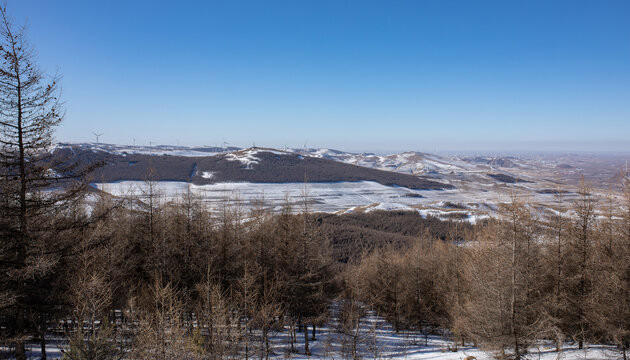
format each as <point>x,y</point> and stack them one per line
<point>31,217</point>
<point>580,264</point>
<point>503,310</point>
<point>609,309</point>
<point>556,225</point>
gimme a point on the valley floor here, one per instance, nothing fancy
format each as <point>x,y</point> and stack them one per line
<point>323,197</point>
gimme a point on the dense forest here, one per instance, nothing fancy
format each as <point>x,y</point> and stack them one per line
<point>143,278</point>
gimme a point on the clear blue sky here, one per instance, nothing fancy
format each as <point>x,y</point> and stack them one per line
<point>354,75</point>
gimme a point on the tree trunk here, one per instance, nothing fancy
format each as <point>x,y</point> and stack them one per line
<point>247,335</point>
<point>513,297</point>
<point>266,341</point>
<point>306,350</point>
<point>355,339</point>
<point>290,338</point>
<point>42,339</point>
<point>20,350</point>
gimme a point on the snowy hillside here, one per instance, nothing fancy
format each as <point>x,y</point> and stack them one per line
<point>345,182</point>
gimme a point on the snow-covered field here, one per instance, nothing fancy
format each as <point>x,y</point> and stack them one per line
<point>339,197</point>
<point>322,197</point>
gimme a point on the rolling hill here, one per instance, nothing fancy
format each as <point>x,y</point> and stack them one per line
<point>255,165</point>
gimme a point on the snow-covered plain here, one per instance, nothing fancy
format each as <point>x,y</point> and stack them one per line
<point>322,197</point>
<point>462,202</point>
<point>338,197</point>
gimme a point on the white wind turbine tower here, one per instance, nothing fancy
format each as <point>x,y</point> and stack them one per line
<point>97,136</point>
<point>224,145</point>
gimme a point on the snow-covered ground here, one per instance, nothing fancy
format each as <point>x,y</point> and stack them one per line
<point>322,197</point>
<point>378,340</point>
<point>339,197</point>
<point>407,162</point>
<point>248,156</point>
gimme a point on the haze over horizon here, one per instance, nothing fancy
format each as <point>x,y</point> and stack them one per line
<point>354,76</point>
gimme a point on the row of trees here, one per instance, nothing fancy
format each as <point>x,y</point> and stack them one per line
<point>184,282</point>
<point>520,279</point>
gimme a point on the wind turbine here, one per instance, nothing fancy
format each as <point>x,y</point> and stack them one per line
<point>97,136</point>
<point>224,145</point>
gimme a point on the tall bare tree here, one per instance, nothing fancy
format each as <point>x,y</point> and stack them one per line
<point>609,308</point>
<point>503,312</point>
<point>29,112</point>
<point>580,265</point>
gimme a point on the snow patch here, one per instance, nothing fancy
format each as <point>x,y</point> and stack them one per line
<point>207,174</point>
<point>248,156</point>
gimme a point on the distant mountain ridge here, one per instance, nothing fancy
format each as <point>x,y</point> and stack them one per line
<point>208,166</point>
<point>458,170</point>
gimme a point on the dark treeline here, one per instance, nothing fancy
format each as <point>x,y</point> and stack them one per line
<point>353,234</point>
